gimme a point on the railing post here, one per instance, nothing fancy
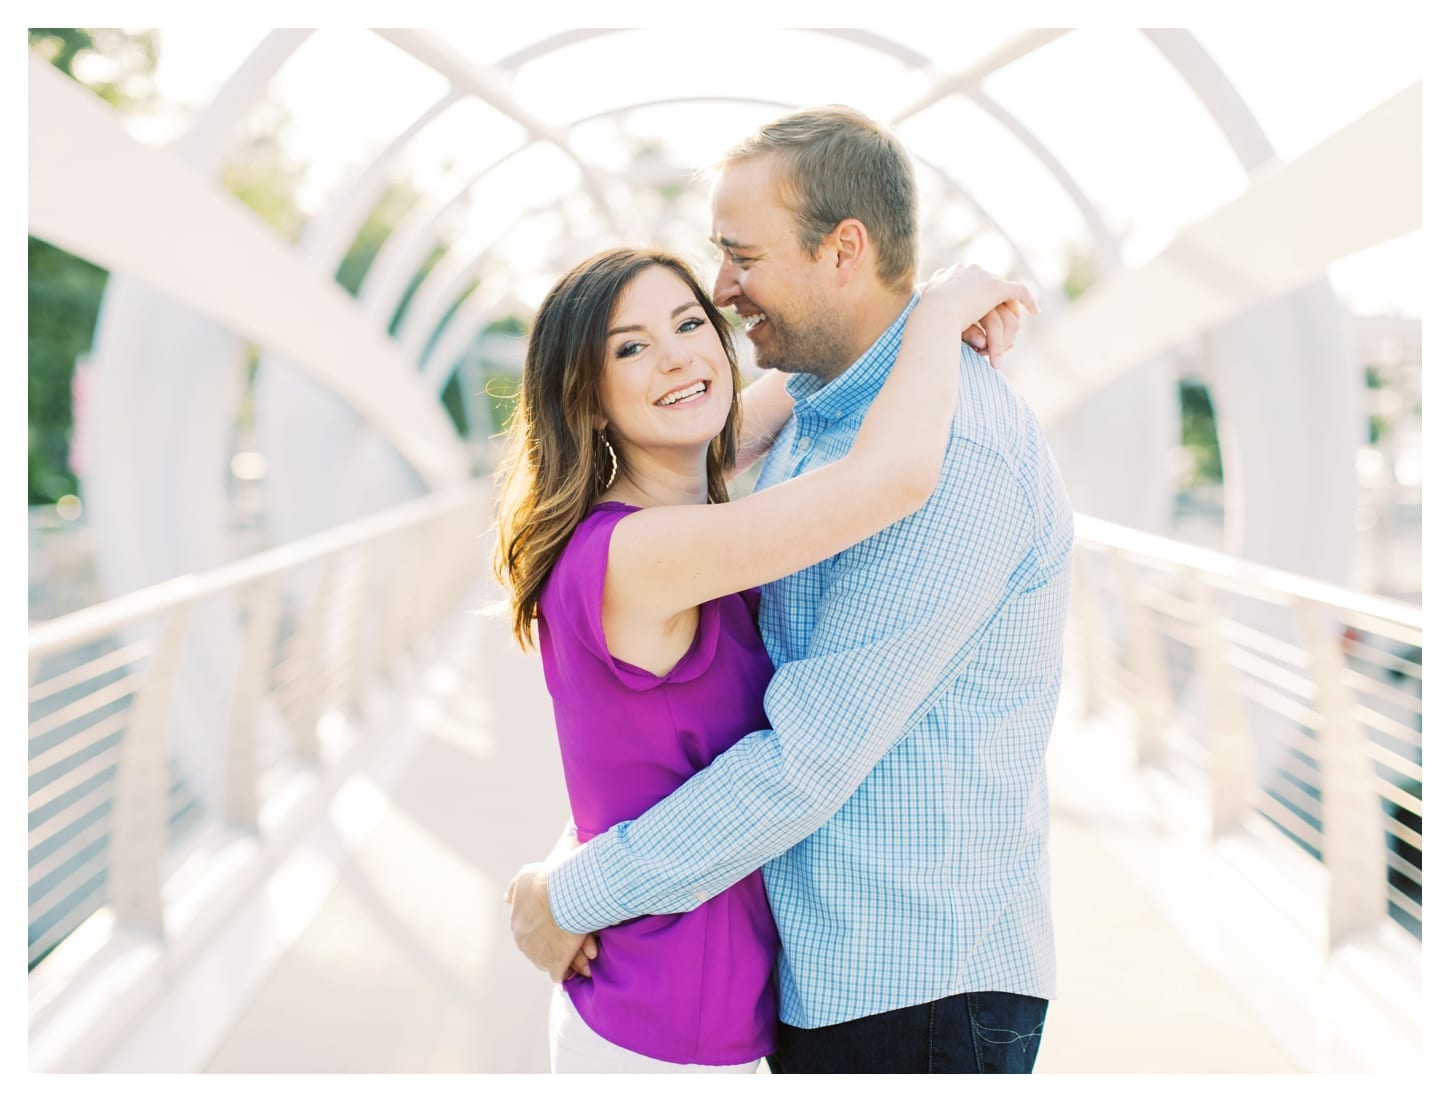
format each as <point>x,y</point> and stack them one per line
<point>261,605</point>
<point>1145,662</point>
<point>1091,638</point>
<point>359,578</point>
<point>138,815</point>
<point>1231,749</point>
<point>401,602</point>
<point>1354,845</point>
<point>309,642</point>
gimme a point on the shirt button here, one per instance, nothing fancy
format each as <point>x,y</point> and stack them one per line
<point>805,443</point>
<point>702,896</point>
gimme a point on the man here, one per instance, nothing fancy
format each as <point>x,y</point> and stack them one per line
<point>899,804</point>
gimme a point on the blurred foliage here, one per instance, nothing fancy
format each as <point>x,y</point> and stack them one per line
<point>260,173</point>
<point>502,391</point>
<point>510,326</point>
<point>455,405</point>
<point>439,252</point>
<point>64,298</point>
<point>1200,433</point>
<point>64,290</point>
<point>369,241</point>
<point>1081,272</point>
<point>119,66</point>
<point>442,323</point>
<point>501,388</point>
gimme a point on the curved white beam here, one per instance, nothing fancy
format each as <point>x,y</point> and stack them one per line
<point>1214,90</point>
<point>301,427</point>
<point>967,82</point>
<point>327,238</point>
<point>445,282</point>
<point>476,311</point>
<point>147,215</point>
<point>968,79</point>
<point>1106,254</point>
<point>165,385</point>
<point>1359,187</point>
<point>429,49</point>
<point>546,46</point>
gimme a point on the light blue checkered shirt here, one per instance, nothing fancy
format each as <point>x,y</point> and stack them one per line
<point>899,804</point>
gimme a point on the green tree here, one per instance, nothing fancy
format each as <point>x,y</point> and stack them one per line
<point>65,291</point>
<point>1200,433</point>
<point>380,222</point>
<point>64,298</point>
<point>1081,272</point>
<point>119,66</point>
<point>261,173</point>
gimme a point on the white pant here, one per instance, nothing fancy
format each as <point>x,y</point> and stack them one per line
<point>574,1048</point>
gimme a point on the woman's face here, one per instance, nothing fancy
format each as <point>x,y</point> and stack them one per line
<point>666,382</point>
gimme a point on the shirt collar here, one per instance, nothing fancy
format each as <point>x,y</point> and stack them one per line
<point>856,387</point>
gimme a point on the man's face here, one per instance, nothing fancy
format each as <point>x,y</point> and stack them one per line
<point>790,303</point>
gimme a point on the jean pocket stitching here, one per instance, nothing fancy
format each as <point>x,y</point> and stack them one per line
<point>996,1036</point>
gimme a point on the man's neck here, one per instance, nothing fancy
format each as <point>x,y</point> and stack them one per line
<point>871,317</point>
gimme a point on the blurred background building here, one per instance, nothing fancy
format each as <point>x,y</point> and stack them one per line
<point>279,290</point>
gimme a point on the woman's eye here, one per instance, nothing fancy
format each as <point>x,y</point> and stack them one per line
<point>689,325</point>
<point>629,349</point>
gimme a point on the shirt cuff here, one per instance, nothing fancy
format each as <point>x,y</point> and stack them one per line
<point>579,895</point>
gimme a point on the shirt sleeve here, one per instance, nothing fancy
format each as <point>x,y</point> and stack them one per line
<point>902,615</point>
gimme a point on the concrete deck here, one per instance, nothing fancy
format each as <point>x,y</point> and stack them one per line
<point>407,966</point>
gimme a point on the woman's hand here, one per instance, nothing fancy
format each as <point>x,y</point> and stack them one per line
<point>989,308</point>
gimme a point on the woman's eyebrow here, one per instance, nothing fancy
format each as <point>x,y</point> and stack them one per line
<point>676,312</point>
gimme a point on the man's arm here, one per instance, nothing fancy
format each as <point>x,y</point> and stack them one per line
<point>543,941</point>
<point>905,612</point>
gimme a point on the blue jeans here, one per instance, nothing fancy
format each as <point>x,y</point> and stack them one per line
<point>976,1032</point>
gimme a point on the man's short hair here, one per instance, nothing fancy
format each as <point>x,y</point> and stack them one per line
<point>835,163</point>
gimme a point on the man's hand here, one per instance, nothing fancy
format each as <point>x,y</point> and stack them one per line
<point>995,333</point>
<point>538,936</point>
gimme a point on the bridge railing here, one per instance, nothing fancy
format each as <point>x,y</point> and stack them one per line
<point>1283,698</point>
<point>136,806</point>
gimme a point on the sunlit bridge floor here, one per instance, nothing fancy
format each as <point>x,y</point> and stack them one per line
<point>407,964</point>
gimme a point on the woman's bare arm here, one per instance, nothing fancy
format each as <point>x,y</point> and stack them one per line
<point>668,559</point>
<point>767,407</point>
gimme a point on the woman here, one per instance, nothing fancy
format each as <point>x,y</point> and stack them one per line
<point>616,535</point>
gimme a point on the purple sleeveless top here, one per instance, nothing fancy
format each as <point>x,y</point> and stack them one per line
<point>692,988</point>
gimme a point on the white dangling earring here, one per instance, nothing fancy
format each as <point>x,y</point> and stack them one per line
<point>613,459</point>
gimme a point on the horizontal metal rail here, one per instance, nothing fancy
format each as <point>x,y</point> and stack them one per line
<point>111,796</point>
<point>1307,695</point>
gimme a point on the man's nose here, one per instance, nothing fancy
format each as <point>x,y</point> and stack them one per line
<point>726,289</point>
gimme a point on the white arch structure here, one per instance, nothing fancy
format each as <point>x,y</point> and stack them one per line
<point>344,441</point>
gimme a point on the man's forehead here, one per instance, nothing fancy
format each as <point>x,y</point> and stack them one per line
<point>752,179</point>
<point>745,205</point>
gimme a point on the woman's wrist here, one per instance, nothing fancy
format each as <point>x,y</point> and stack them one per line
<point>938,313</point>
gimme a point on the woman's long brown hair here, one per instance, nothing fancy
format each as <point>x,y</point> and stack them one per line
<point>554,467</point>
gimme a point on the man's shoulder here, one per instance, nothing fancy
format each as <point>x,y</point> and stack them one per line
<point>994,417</point>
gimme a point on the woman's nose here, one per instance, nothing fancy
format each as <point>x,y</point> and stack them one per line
<point>677,354</point>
